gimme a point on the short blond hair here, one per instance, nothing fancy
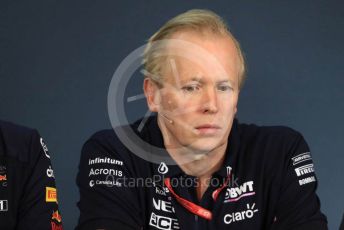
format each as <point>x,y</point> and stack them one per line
<point>196,20</point>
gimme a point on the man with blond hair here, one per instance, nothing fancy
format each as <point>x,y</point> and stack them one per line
<point>207,170</point>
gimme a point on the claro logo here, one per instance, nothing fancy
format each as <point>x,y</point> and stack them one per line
<point>239,216</point>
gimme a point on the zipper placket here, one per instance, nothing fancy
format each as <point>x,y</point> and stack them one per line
<point>196,222</point>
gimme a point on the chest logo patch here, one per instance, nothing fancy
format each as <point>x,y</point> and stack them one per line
<point>240,216</point>
<point>236,193</point>
<point>163,169</point>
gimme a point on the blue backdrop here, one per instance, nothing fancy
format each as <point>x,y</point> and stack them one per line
<point>57,60</point>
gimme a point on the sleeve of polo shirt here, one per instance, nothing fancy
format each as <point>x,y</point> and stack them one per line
<point>299,206</point>
<point>105,200</point>
<point>38,208</point>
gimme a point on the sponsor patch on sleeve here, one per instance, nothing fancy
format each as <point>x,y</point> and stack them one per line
<point>50,194</point>
<point>56,221</point>
<point>301,158</point>
<point>307,180</point>
<point>304,168</point>
<point>56,216</point>
<point>45,148</point>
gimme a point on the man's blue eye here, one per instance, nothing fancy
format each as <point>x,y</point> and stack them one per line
<point>224,87</point>
<point>190,88</point>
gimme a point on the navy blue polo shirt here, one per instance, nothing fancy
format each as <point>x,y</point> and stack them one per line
<point>28,197</point>
<point>269,170</point>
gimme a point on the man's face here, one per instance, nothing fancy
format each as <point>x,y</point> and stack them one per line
<point>199,93</point>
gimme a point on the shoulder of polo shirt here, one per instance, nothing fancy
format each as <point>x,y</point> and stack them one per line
<point>278,140</point>
<point>16,140</point>
<point>105,135</point>
<point>109,140</point>
<point>247,131</point>
<point>106,138</point>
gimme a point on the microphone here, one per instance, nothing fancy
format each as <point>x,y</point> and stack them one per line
<point>169,120</point>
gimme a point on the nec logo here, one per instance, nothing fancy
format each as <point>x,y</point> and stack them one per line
<point>234,194</point>
<point>164,206</point>
<point>163,222</point>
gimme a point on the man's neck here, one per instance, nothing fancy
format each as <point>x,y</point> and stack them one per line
<point>202,168</point>
<point>193,163</point>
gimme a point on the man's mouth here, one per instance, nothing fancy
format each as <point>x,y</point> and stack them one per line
<point>208,129</point>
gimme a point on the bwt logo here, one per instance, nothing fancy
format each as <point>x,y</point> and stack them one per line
<point>234,194</point>
<point>163,205</point>
<point>239,216</point>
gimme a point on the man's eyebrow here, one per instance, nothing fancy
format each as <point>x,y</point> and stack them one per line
<point>225,81</point>
<point>200,80</point>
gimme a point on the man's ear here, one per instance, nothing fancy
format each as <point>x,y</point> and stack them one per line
<point>152,94</point>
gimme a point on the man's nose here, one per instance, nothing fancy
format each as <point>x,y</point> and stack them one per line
<point>209,101</point>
